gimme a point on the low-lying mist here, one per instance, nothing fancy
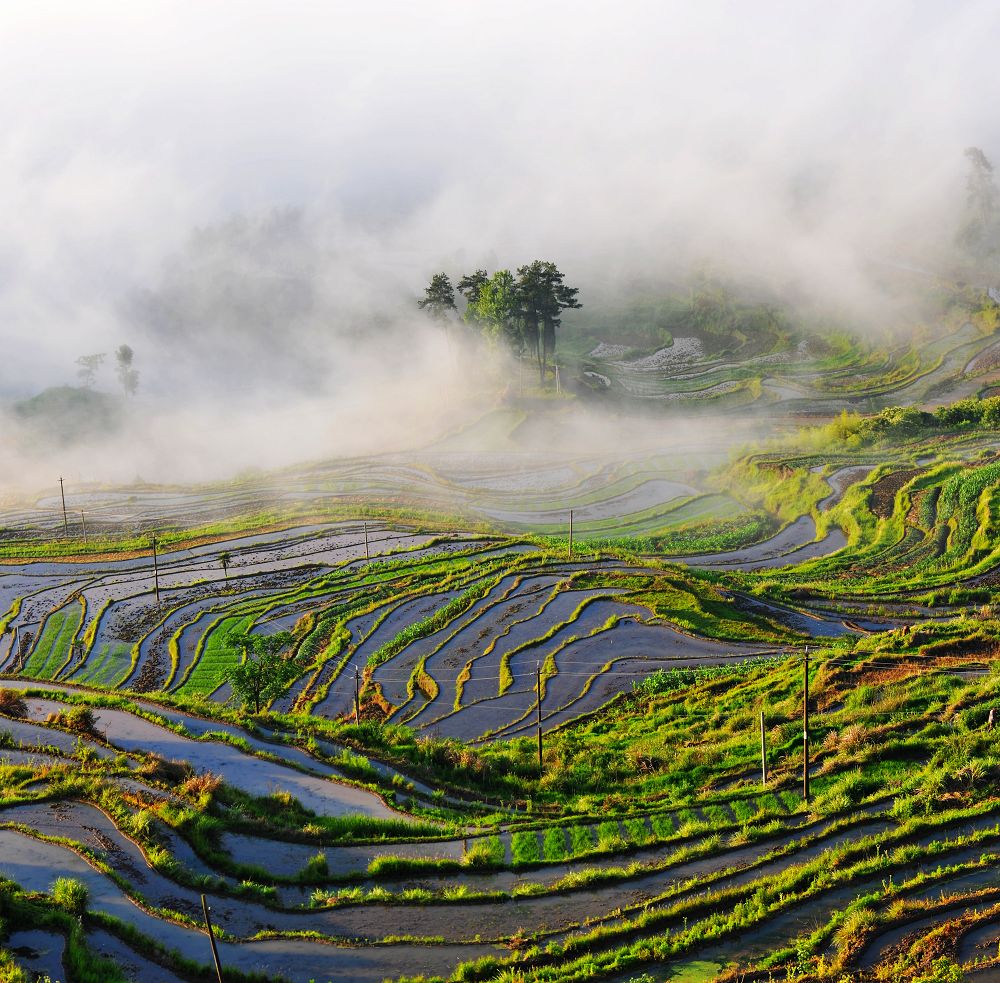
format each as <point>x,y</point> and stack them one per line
<point>331,161</point>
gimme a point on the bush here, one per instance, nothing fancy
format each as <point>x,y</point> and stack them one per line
<point>201,787</point>
<point>12,704</point>
<point>78,719</point>
<point>159,769</point>
<point>71,894</point>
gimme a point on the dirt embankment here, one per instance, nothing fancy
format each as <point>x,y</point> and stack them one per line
<point>883,494</point>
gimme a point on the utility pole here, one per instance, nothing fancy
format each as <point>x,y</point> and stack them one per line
<point>538,713</point>
<point>62,492</point>
<point>367,554</point>
<point>569,552</point>
<point>805,726</point>
<point>83,519</point>
<point>211,938</point>
<point>357,696</point>
<point>156,575</point>
<point>763,752</point>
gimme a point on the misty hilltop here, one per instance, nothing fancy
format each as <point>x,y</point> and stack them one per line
<point>64,415</point>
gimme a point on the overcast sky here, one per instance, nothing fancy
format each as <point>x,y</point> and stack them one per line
<point>619,135</point>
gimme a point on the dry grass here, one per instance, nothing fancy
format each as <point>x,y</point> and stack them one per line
<point>12,704</point>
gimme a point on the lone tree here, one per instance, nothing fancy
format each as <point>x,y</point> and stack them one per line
<point>439,298</point>
<point>263,673</point>
<point>89,364</point>
<point>543,297</point>
<point>224,558</point>
<point>128,377</point>
<point>980,233</point>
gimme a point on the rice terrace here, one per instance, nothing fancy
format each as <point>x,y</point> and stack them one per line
<point>381,603</point>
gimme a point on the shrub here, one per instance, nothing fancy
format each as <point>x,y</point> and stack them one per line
<point>12,704</point>
<point>853,738</point>
<point>71,894</point>
<point>79,719</point>
<point>159,769</point>
<point>201,787</point>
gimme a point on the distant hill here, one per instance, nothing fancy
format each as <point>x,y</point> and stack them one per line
<point>68,413</point>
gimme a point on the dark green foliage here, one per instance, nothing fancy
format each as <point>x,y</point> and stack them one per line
<point>439,297</point>
<point>264,673</point>
<point>543,297</point>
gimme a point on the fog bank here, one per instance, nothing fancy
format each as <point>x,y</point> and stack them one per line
<point>252,195</point>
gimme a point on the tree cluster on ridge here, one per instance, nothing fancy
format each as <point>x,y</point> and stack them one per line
<point>522,311</point>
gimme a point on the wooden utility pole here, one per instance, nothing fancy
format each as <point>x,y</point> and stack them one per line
<point>156,575</point>
<point>83,519</point>
<point>538,712</point>
<point>62,492</point>
<point>23,644</point>
<point>357,696</point>
<point>763,751</point>
<point>805,726</point>
<point>569,552</point>
<point>367,554</point>
<point>211,938</point>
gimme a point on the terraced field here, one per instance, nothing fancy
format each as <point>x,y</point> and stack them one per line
<point>806,376</point>
<point>521,485</point>
<point>555,770</point>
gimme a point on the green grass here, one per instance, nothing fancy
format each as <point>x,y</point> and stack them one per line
<point>52,649</point>
<point>903,767</point>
